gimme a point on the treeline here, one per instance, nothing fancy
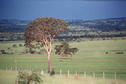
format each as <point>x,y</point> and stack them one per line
<point>11,36</point>
<point>68,35</point>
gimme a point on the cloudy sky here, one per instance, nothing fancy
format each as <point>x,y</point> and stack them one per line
<point>63,9</point>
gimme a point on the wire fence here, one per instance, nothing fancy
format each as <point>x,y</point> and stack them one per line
<point>68,73</point>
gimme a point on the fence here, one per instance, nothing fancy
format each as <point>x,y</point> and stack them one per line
<point>85,74</point>
<point>114,75</point>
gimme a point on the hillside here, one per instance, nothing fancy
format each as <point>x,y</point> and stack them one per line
<point>102,24</point>
<point>13,22</point>
<point>13,25</point>
<point>102,28</point>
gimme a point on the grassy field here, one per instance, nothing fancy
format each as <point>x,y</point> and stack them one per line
<point>93,56</point>
<point>7,77</point>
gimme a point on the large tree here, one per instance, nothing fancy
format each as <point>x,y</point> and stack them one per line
<point>41,32</point>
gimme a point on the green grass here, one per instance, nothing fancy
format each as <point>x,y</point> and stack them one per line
<point>90,58</point>
<point>7,77</point>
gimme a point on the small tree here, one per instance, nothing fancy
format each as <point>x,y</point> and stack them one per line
<point>14,45</point>
<point>41,32</point>
<point>64,50</point>
<point>20,45</point>
<point>26,78</point>
<point>3,51</point>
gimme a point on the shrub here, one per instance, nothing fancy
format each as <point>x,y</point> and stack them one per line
<point>120,52</point>
<point>26,78</point>
<point>52,72</point>
<point>64,50</point>
<point>3,51</point>
<point>14,45</point>
<point>31,51</point>
<point>106,52</point>
<point>8,48</point>
<point>20,45</point>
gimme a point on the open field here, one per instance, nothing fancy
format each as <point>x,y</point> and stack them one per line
<point>106,56</point>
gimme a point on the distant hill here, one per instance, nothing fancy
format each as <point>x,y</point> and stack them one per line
<point>13,30</point>
<point>13,22</point>
<point>13,25</point>
<point>110,23</point>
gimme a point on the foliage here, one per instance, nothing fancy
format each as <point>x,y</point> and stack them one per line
<point>3,52</point>
<point>52,72</point>
<point>41,32</point>
<point>26,78</point>
<point>31,51</point>
<point>20,45</point>
<point>14,45</point>
<point>65,50</point>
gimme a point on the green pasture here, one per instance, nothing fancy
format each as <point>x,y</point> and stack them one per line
<point>106,56</point>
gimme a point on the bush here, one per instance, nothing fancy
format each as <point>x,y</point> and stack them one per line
<point>3,51</point>
<point>52,72</point>
<point>14,45</point>
<point>26,78</point>
<point>31,51</point>
<point>106,52</point>
<point>8,48</point>
<point>20,45</point>
<point>119,52</point>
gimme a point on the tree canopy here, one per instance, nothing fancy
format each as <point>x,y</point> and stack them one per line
<point>42,30</point>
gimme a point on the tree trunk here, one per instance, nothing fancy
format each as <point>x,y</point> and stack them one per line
<point>49,63</point>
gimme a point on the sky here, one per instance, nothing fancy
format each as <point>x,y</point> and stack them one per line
<point>62,9</point>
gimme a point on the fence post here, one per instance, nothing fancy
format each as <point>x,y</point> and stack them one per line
<point>103,75</point>
<point>84,74</point>
<point>42,72</point>
<point>60,72</point>
<point>115,75</point>
<point>68,73</point>
<point>76,76</point>
<point>11,68</point>
<point>93,74</point>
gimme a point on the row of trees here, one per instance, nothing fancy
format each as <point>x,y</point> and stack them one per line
<point>15,36</point>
